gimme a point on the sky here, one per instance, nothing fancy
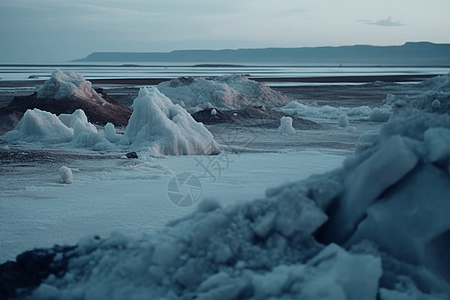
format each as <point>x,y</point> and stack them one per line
<point>57,31</point>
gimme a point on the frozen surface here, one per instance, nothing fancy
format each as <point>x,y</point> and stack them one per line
<point>130,196</point>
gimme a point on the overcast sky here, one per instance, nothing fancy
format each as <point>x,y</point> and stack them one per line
<point>45,31</point>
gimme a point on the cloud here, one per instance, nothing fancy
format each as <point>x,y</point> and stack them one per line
<point>384,22</point>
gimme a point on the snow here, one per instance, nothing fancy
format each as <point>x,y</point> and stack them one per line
<point>286,126</point>
<point>66,175</point>
<point>67,86</point>
<point>166,128</point>
<point>223,92</point>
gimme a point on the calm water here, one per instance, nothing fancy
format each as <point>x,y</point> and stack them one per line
<point>108,71</point>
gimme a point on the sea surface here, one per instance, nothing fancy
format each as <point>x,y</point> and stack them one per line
<point>117,70</point>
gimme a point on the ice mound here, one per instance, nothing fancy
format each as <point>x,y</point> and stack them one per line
<point>166,128</point>
<point>68,85</point>
<point>40,126</point>
<point>286,126</point>
<point>48,129</point>
<point>223,92</point>
<point>298,109</point>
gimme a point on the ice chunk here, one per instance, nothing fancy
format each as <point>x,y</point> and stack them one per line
<point>405,224</point>
<point>436,104</point>
<point>111,134</point>
<point>213,112</point>
<point>437,141</point>
<point>66,175</point>
<point>40,126</point>
<point>166,128</point>
<point>380,114</point>
<point>343,120</point>
<point>368,181</point>
<point>358,275</point>
<point>286,126</point>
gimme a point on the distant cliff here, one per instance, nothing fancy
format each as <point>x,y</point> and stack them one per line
<point>411,54</point>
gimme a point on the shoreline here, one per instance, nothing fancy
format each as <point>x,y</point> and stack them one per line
<point>156,81</point>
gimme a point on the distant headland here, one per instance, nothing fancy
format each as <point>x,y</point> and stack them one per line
<point>409,54</point>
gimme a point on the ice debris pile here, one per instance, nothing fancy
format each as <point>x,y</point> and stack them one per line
<point>434,98</point>
<point>156,125</point>
<point>68,85</point>
<point>298,109</point>
<point>223,92</point>
<point>376,228</point>
<point>437,96</point>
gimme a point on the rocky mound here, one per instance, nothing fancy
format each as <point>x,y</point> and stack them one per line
<point>64,93</point>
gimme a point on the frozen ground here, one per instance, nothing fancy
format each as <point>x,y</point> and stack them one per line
<point>350,233</point>
<point>113,193</point>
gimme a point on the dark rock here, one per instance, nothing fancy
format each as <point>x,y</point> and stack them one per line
<point>132,155</point>
<point>205,117</point>
<point>31,268</point>
<point>33,77</point>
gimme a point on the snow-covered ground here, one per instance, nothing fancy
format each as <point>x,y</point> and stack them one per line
<point>130,195</point>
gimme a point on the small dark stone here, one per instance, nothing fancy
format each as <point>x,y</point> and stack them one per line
<point>132,155</point>
<point>33,77</point>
